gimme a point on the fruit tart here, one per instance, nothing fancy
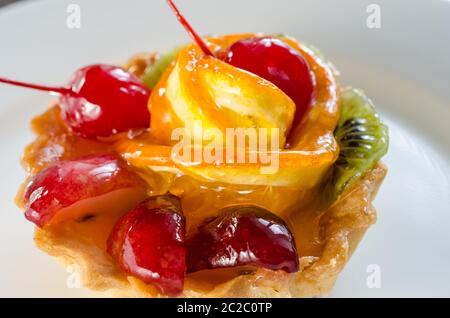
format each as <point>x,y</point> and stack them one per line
<point>233,166</point>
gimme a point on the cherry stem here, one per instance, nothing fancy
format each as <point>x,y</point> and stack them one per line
<point>194,35</point>
<point>54,90</point>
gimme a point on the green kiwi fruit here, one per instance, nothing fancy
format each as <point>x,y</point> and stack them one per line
<point>153,72</point>
<point>362,138</point>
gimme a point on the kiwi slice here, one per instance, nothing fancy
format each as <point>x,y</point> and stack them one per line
<point>363,139</point>
<point>153,72</point>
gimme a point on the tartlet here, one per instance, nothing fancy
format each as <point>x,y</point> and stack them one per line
<point>110,196</point>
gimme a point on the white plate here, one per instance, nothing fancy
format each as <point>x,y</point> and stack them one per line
<point>404,67</point>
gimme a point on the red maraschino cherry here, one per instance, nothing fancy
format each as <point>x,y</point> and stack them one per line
<point>269,58</point>
<point>100,100</point>
<point>148,243</point>
<point>242,236</point>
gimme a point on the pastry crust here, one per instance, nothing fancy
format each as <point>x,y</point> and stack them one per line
<point>343,226</point>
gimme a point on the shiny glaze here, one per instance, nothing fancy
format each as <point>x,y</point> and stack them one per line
<point>310,150</point>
